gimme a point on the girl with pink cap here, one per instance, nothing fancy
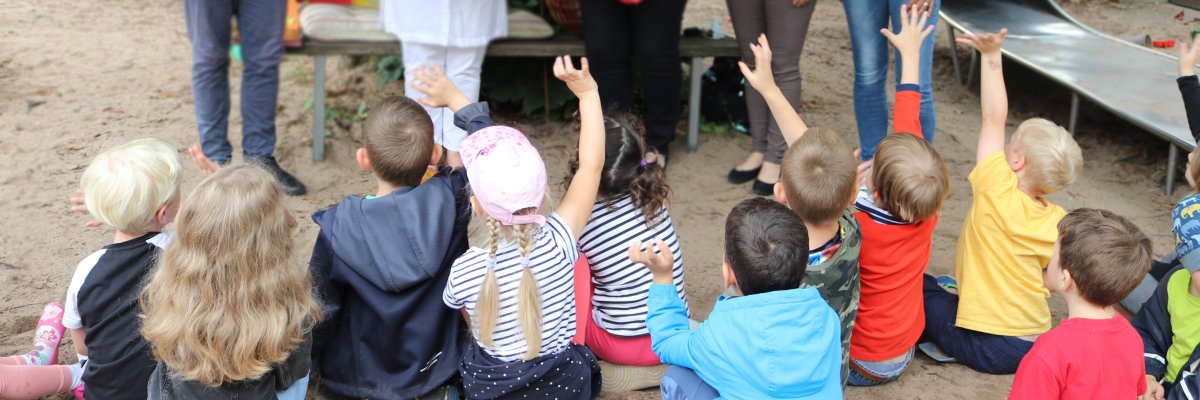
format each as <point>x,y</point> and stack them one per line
<point>517,292</point>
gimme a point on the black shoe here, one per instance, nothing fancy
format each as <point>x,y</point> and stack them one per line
<point>291,185</point>
<point>740,176</point>
<point>764,189</point>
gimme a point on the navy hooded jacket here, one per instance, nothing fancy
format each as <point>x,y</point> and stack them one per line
<point>381,265</point>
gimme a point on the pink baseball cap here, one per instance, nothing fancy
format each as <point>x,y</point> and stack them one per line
<point>506,172</point>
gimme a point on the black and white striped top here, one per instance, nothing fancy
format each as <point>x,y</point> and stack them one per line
<point>621,287</point>
<point>551,260</point>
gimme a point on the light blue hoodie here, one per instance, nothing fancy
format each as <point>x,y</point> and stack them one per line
<point>777,345</point>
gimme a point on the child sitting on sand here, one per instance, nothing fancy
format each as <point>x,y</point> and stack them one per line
<point>1008,236</point>
<point>898,209</point>
<point>773,340</point>
<point>632,206</point>
<point>819,181</point>
<point>226,311</point>
<point>517,293</point>
<point>133,188</point>
<point>1094,353</point>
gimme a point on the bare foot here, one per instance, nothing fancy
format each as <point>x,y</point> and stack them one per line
<point>208,167</point>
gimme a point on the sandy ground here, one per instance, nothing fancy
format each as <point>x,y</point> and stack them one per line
<point>78,75</point>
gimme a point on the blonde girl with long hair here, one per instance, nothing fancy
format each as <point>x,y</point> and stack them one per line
<point>227,312</point>
<point>517,293</point>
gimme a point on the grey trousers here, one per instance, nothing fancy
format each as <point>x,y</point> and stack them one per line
<point>786,27</point>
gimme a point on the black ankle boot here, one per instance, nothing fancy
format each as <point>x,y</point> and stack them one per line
<point>291,185</point>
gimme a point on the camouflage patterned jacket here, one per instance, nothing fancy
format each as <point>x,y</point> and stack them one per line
<point>837,280</point>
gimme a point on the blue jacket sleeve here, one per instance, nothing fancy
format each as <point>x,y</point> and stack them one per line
<point>329,293</point>
<point>667,320</point>
<point>473,117</point>
<point>1153,324</point>
<point>1189,87</point>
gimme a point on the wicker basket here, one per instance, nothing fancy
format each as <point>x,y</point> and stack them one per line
<point>567,14</point>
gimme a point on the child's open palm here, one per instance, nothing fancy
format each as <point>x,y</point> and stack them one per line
<point>912,30</point>
<point>578,80</point>
<point>661,263</point>
<point>438,89</point>
<point>987,43</point>
<point>761,77</point>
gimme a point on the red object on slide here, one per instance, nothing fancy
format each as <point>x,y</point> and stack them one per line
<point>630,2</point>
<point>1164,43</point>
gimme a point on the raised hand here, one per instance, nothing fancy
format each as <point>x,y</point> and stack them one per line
<point>1188,55</point>
<point>439,91</point>
<point>661,264</point>
<point>912,31</point>
<point>761,77</point>
<point>78,206</point>
<point>987,43</point>
<point>578,80</point>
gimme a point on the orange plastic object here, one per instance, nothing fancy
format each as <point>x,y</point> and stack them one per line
<point>1164,43</point>
<point>291,27</point>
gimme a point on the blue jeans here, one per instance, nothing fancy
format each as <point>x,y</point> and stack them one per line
<point>870,48</point>
<point>868,373</point>
<point>983,352</point>
<point>681,383</point>
<point>260,23</point>
<point>295,392</point>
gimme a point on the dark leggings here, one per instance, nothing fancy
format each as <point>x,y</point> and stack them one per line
<point>613,32</point>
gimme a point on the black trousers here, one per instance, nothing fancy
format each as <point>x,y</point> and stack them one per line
<point>614,34</point>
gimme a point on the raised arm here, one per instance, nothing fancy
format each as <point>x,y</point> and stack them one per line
<point>577,203</point>
<point>908,41</point>
<point>763,80</point>
<point>992,95</point>
<point>1189,85</point>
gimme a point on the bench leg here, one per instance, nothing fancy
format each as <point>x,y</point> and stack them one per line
<point>954,56</point>
<point>1074,114</point>
<point>1172,161</point>
<point>318,105</point>
<point>973,71</point>
<point>693,127</point>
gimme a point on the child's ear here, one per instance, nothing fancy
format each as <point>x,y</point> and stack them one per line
<point>1068,282</point>
<point>1017,163</point>
<point>729,278</point>
<point>364,159</point>
<point>436,157</point>
<point>780,196</point>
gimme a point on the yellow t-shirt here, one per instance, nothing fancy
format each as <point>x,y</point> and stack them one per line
<point>1184,310</point>
<point>1006,241</point>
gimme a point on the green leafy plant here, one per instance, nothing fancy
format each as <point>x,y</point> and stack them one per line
<point>390,69</point>
<point>522,83</point>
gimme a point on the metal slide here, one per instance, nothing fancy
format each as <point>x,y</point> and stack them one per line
<point>1131,81</point>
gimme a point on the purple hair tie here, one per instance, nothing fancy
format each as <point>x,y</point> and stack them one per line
<point>643,164</point>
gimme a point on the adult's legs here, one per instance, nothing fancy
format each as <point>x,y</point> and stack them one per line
<point>980,351</point>
<point>865,18</point>
<point>208,26</point>
<point>260,23</point>
<point>787,25</point>
<point>606,34</point>
<point>464,66</point>
<point>925,76</point>
<point>683,384</point>
<point>749,21</point>
<point>656,26</point>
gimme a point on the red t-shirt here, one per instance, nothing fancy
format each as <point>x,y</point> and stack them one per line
<point>892,260</point>
<point>1083,359</point>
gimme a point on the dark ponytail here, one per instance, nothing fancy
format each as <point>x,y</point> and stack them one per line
<point>627,169</point>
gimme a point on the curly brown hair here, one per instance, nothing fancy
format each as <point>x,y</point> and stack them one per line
<point>624,169</point>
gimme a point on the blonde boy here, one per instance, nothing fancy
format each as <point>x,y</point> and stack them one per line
<point>819,182</point>
<point>134,188</point>
<point>1008,235</point>
<point>1094,353</point>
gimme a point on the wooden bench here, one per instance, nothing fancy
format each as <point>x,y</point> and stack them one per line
<point>694,49</point>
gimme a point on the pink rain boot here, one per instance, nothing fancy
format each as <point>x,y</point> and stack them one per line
<point>47,337</point>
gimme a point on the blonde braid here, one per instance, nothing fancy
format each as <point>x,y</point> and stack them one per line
<point>488,306</point>
<point>529,301</point>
